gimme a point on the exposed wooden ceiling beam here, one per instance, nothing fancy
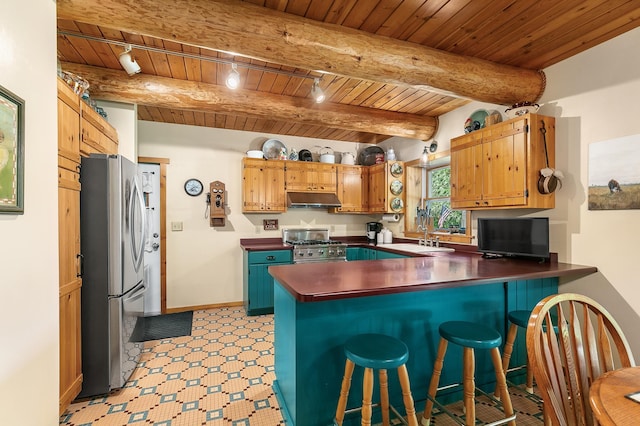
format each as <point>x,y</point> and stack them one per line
<point>269,35</point>
<point>116,85</point>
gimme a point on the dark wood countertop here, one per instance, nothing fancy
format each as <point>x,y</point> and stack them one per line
<point>311,282</point>
<point>264,244</point>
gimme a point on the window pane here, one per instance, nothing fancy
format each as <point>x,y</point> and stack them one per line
<point>443,218</point>
<point>439,182</point>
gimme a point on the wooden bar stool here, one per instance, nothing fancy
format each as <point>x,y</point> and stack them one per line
<point>517,319</point>
<point>470,336</point>
<point>376,352</point>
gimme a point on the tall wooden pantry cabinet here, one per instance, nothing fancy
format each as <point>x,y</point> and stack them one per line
<point>81,130</point>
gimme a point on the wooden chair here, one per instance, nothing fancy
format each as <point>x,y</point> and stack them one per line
<point>571,341</point>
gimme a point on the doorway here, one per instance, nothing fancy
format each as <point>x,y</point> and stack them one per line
<point>152,174</point>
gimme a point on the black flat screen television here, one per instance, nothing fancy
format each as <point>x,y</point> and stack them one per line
<point>514,237</point>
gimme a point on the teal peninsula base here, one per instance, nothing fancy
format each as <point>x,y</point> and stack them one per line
<point>309,336</point>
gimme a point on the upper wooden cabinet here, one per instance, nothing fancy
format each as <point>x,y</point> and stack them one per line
<point>263,186</point>
<point>96,134</point>
<point>353,189</point>
<point>361,189</point>
<point>68,123</point>
<point>386,187</point>
<point>302,176</point>
<point>499,166</point>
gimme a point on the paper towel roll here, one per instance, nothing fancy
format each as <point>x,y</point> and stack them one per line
<point>391,217</point>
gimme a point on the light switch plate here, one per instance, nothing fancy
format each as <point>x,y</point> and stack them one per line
<point>176,226</point>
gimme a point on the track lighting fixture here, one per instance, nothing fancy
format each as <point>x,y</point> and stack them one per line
<point>128,62</point>
<point>316,92</point>
<point>233,79</point>
<point>424,158</point>
<point>204,58</point>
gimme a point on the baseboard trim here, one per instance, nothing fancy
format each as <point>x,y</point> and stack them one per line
<point>203,307</point>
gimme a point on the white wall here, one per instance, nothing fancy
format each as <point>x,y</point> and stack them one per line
<point>204,264</point>
<point>29,360</point>
<point>124,117</point>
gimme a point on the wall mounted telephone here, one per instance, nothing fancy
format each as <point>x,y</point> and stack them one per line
<point>217,196</point>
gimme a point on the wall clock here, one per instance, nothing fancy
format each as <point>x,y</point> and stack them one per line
<point>193,187</point>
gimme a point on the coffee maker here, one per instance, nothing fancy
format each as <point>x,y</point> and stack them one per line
<point>373,228</point>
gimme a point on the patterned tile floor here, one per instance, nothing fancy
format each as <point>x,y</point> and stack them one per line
<point>220,375</point>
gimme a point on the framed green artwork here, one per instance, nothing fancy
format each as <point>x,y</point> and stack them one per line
<point>11,153</point>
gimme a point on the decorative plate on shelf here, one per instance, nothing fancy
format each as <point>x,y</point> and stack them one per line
<point>396,204</point>
<point>396,169</point>
<point>272,149</point>
<point>476,120</point>
<point>396,187</point>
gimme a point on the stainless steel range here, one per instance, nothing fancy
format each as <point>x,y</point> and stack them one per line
<point>314,245</point>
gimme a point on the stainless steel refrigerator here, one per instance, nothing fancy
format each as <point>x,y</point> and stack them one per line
<point>112,230</point>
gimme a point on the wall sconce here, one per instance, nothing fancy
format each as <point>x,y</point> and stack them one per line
<point>316,92</point>
<point>233,79</point>
<point>424,158</point>
<point>128,62</point>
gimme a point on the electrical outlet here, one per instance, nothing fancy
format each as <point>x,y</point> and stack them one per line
<point>270,224</point>
<point>176,226</point>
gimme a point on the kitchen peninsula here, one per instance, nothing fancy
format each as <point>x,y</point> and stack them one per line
<point>319,306</point>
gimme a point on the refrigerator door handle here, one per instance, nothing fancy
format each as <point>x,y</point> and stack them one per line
<point>138,251</point>
<point>136,294</point>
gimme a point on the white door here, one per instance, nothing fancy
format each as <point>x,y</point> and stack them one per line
<point>150,180</point>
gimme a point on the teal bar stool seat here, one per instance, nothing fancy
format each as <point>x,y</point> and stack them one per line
<point>470,336</point>
<point>376,352</point>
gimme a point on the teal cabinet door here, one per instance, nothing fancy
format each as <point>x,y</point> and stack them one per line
<point>387,255</point>
<point>369,254</point>
<point>257,283</point>
<point>353,253</point>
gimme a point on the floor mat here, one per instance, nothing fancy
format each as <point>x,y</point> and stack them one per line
<point>162,327</point>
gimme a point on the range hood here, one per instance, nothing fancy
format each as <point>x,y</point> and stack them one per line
<point>312,199</point>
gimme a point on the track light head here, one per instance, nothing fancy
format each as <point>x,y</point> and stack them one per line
<point>316,92</point>
<point>128,62</point>
<point>233,79</point>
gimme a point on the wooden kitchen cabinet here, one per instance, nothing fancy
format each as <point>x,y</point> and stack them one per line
<point>352,189</point>
<point>499,166</point>
<point>303,176</point>
<point>81,131</point>
<point>70,280</point>
<point>263,187</point>
<point>97,136</point>
<point>386,187</point>
<point>68,124</point>
<point>70,344</point>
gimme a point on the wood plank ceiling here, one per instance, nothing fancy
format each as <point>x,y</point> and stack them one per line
<point>526,34</point>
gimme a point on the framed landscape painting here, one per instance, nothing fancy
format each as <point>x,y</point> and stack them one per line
<point>614,174</point>
<point>11,153</point>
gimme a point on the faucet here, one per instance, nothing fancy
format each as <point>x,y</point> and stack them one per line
<point>422,216</point>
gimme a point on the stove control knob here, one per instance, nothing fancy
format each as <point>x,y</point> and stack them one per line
<point>321,251</point>
<point>309,253</point>
<point>300,253</point>
<point>331,252</point>
<point>340,252</point>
